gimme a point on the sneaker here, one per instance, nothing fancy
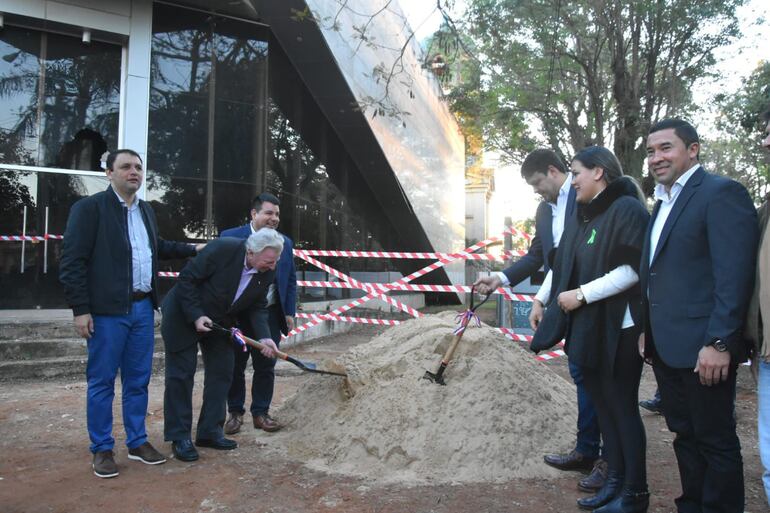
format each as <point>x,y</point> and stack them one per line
<point>104,464</point>
<point>146,453</point>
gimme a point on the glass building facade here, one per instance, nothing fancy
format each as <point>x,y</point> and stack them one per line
<point>230,112</point>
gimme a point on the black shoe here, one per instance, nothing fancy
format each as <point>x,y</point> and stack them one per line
<point>221,443</point>
<point>594,481</point>
<point>627,501</point>
<point>184,450</point>
<point>104,464</point>
<point>571,461</point>
<point>652,405</point>
<point>609,491</point>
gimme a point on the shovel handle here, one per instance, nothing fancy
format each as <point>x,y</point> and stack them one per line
<point>259,345</point>
<point>250,341</point>
<point>451,351</point>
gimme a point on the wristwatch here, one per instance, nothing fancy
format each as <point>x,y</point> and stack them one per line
<point>579,296</point>
<point>719,345</point>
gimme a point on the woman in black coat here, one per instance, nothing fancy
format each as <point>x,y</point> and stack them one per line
<point>596,308</point>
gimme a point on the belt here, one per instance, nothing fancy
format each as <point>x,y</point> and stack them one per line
<point>138,295</point>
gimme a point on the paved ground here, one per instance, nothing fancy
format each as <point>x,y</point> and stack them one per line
<point>45,463</point>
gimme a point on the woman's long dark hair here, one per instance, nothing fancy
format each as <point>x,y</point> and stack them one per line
<point>599,156</point>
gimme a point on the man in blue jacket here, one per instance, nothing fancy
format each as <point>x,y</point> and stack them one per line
<point>696,276</point>
<point>108,268</point>
<point>545,172</point>
<point>282,304</point>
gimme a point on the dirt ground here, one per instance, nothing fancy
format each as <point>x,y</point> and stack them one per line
<point>45,462</point>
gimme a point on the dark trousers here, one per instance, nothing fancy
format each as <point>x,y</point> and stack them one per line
<point>615,393</point>
<point>263,381</point>
<point>217,355</point>
<point>588,433</point>
<point>706,445</point>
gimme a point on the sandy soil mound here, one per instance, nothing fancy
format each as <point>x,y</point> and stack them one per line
<point>500,411</point>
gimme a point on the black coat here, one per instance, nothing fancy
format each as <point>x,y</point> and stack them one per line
<point>606,233</point>
<point>207,286</point>
<point>95,266</point>
<point>542,243</point>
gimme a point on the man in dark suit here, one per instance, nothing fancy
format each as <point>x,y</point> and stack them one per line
<point>697,274</point>
<point>226,283</point>
<point>282,304</point>
<point>545,172</point>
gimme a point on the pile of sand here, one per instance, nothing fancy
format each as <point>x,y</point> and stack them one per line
<point>500,411</point>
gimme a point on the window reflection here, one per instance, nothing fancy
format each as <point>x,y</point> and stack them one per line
<point>73,118</point>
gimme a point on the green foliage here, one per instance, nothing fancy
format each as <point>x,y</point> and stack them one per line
<point>737,151</point>
<point>571,74</point>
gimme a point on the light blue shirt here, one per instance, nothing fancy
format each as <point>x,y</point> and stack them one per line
<point>141,252</point>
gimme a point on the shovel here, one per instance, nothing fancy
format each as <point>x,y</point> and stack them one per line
<point>305,366</point>
<point>438,376</point>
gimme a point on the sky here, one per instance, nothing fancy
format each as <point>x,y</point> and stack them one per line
<point>513,197</point>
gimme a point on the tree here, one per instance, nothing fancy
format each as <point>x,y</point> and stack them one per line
<point>588,72</point>
<point>736,151</point>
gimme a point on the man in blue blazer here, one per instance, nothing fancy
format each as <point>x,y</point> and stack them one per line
<point>545,172</point>
<point>697,274</point>
<point>282,304</point>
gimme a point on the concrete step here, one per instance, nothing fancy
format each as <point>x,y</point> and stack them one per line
<point>33,349</point>
<point>71,366</point>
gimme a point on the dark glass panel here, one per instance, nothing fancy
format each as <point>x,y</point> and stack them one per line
<point>70,121</point>
<point>19,84</point>
<point>38,285</point>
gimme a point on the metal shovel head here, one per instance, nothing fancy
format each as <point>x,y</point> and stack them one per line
<point>311,367</point>
<point>435,377</point>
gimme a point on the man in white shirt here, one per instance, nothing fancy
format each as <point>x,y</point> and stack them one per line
<point>545,172</point>
<point>696,277</point>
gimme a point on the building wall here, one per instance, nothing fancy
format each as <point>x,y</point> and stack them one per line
<point>424,146</point>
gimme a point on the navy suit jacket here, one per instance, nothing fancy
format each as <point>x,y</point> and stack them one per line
<point>542,243</point>
<point>698,285</point>
<point>285,272</point>
<point>207,286</point>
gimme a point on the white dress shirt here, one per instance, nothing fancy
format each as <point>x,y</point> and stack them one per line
<point>667,200</point>
<point>558,217</point>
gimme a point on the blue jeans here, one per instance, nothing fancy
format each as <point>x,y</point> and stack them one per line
<point>588,433</point>
<point>263,381</point>
<point>763,403</point>
<point>122,342</point>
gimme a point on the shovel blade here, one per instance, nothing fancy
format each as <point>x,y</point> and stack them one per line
<point>437,377</point>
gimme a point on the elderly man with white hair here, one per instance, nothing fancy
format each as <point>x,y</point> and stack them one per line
<point>225,284</point>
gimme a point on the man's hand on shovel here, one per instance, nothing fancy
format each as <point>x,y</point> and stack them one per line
<point>268,349</point>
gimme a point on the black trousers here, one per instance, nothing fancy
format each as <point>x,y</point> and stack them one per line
<point>263,380</point>
<point>706,445</point>
<point>217,355</point>
<point>615,393</point>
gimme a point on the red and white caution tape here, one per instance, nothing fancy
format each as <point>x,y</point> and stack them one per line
<point>342,318</point>
<point>33,238</point>
<point>545,356</point>
<point>404,255</point>
<point>406,279</point>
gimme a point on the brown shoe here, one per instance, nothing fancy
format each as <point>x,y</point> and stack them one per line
<point>571,461</point>
<point>595,480</point>
<point>104,464</point>
<point>234,423</point>
<point>266,423</point>
<point>146,453</point>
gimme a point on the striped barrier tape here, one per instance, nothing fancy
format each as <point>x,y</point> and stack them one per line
<point>406,279</point>
<point>32,238</point>
<point>404,255</point>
